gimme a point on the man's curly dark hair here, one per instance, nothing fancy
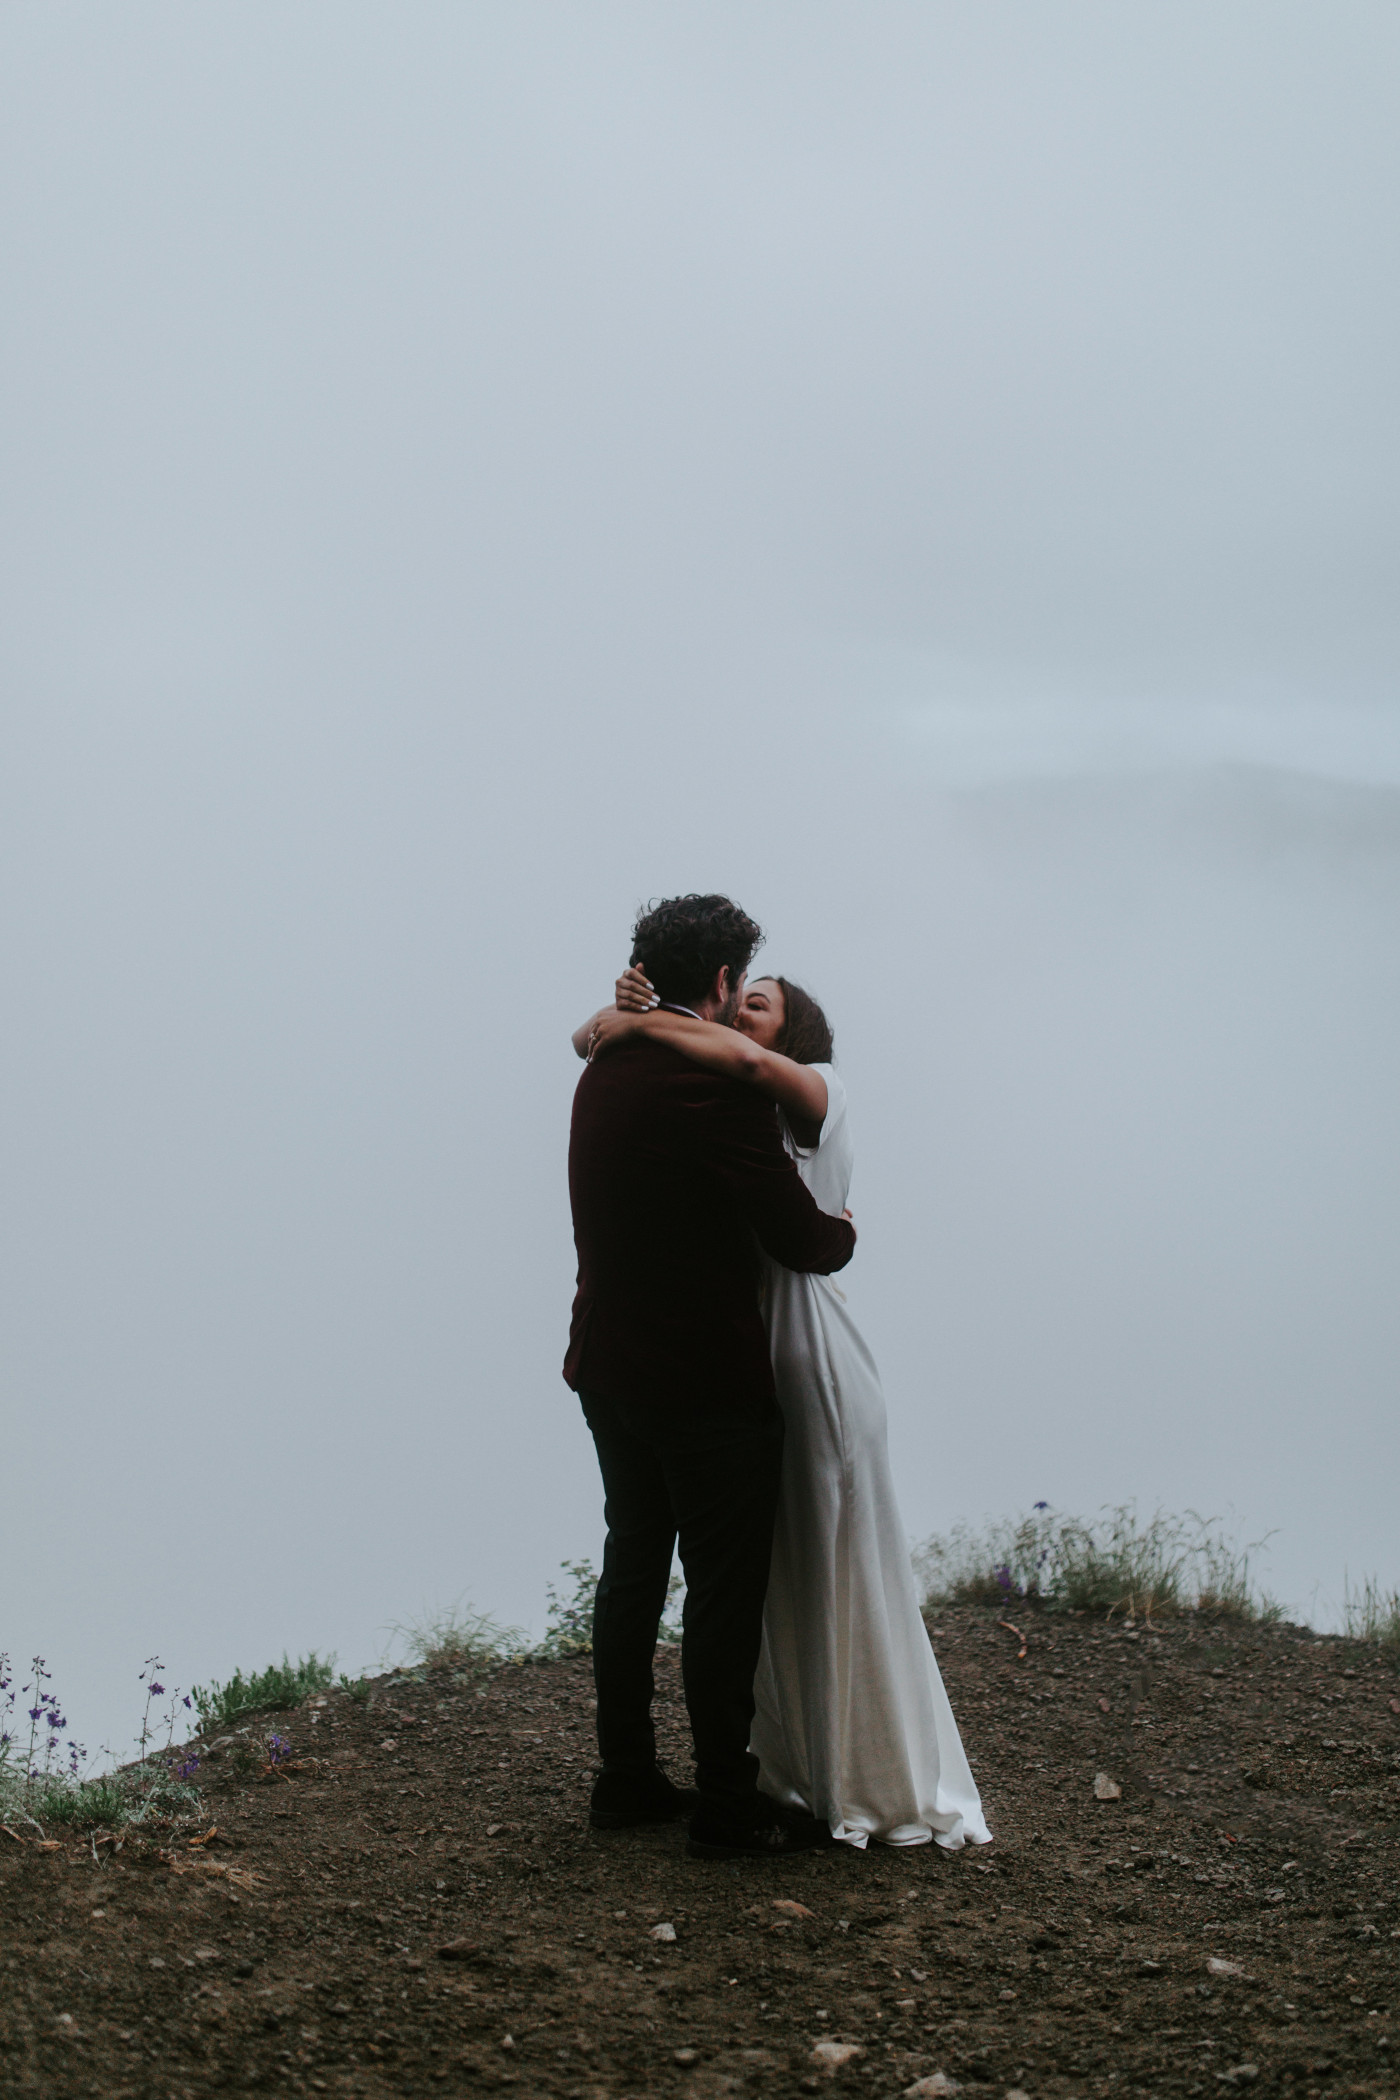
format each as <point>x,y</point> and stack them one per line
<point>682,943</point>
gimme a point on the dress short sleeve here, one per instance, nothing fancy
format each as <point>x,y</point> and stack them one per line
<point>835,1112</point>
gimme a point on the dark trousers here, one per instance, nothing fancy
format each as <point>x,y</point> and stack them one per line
<point>710,1482</point>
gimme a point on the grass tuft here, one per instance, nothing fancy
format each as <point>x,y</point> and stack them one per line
<point>1119,1562</point>
<point>97,1804</point>
<point>470,1644</point>
<point>271,1690</point>
<point>122,1800</point>
<point>1370,1613</point>
<point>465,1642</point>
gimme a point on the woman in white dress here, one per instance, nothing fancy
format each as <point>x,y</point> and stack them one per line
<point>853,1724</point>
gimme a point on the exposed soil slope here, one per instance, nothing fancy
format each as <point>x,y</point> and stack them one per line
<point>299,1947</point>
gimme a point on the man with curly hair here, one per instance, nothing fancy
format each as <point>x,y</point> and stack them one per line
<point>674,1174</point>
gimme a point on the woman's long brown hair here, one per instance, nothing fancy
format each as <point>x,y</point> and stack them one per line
<point>806,1036</point>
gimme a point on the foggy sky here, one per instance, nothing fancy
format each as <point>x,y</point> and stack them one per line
<point>928,470</point>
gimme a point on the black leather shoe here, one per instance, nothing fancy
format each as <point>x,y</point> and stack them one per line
<point>773,1833</point>
<point>622,1801</point>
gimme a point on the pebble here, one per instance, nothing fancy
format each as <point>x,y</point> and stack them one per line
<point>663,1932</point>
<point>1106,1789</point>
<point>936,2086</point>
<point>832,2055</point>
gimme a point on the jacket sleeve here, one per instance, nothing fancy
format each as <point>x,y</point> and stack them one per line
<point>746,1155</point>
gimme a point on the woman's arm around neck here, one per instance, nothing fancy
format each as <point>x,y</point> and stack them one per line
<point>799,1090</point>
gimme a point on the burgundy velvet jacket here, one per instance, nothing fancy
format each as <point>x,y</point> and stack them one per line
<point>673,1175</point>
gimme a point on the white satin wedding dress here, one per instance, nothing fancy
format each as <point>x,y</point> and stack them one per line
<point>852,1723</point>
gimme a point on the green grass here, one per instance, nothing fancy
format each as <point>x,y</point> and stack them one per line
<point>99,1804</point>
<point>271,1690</point>
<point>1117,1563</point>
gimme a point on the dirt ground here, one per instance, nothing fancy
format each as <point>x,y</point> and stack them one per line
<point>1231,1918</point>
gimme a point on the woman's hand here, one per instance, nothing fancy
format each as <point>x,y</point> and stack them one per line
<point>635,993</point>
<point>611,1028</point>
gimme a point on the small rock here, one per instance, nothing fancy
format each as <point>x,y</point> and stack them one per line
<point>1150,1968</point>
<point>207,1954</point>
<point>390,1742</point>
<point>791,1909</point>
<point>832,2055</point>
<point>919,1975</point>
<point>685,2056</point>
<point>415,1961</point>
<point>1106,1789</point>
<point>663,1932</point>
<point>1238,2074</point>
<point>1006,1996</point>
<point>459,1950</point>
<point>157,1961</point>
<point>1218,1966</point>
<point>507,2041</point>
<point>936,2086</point>
<point>1013,2092</point>
<point>493,1829</point>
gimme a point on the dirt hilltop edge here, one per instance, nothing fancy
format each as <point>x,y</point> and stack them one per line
<point>416,1904</point>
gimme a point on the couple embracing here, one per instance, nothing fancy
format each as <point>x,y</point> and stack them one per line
<point>738,1416</point>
